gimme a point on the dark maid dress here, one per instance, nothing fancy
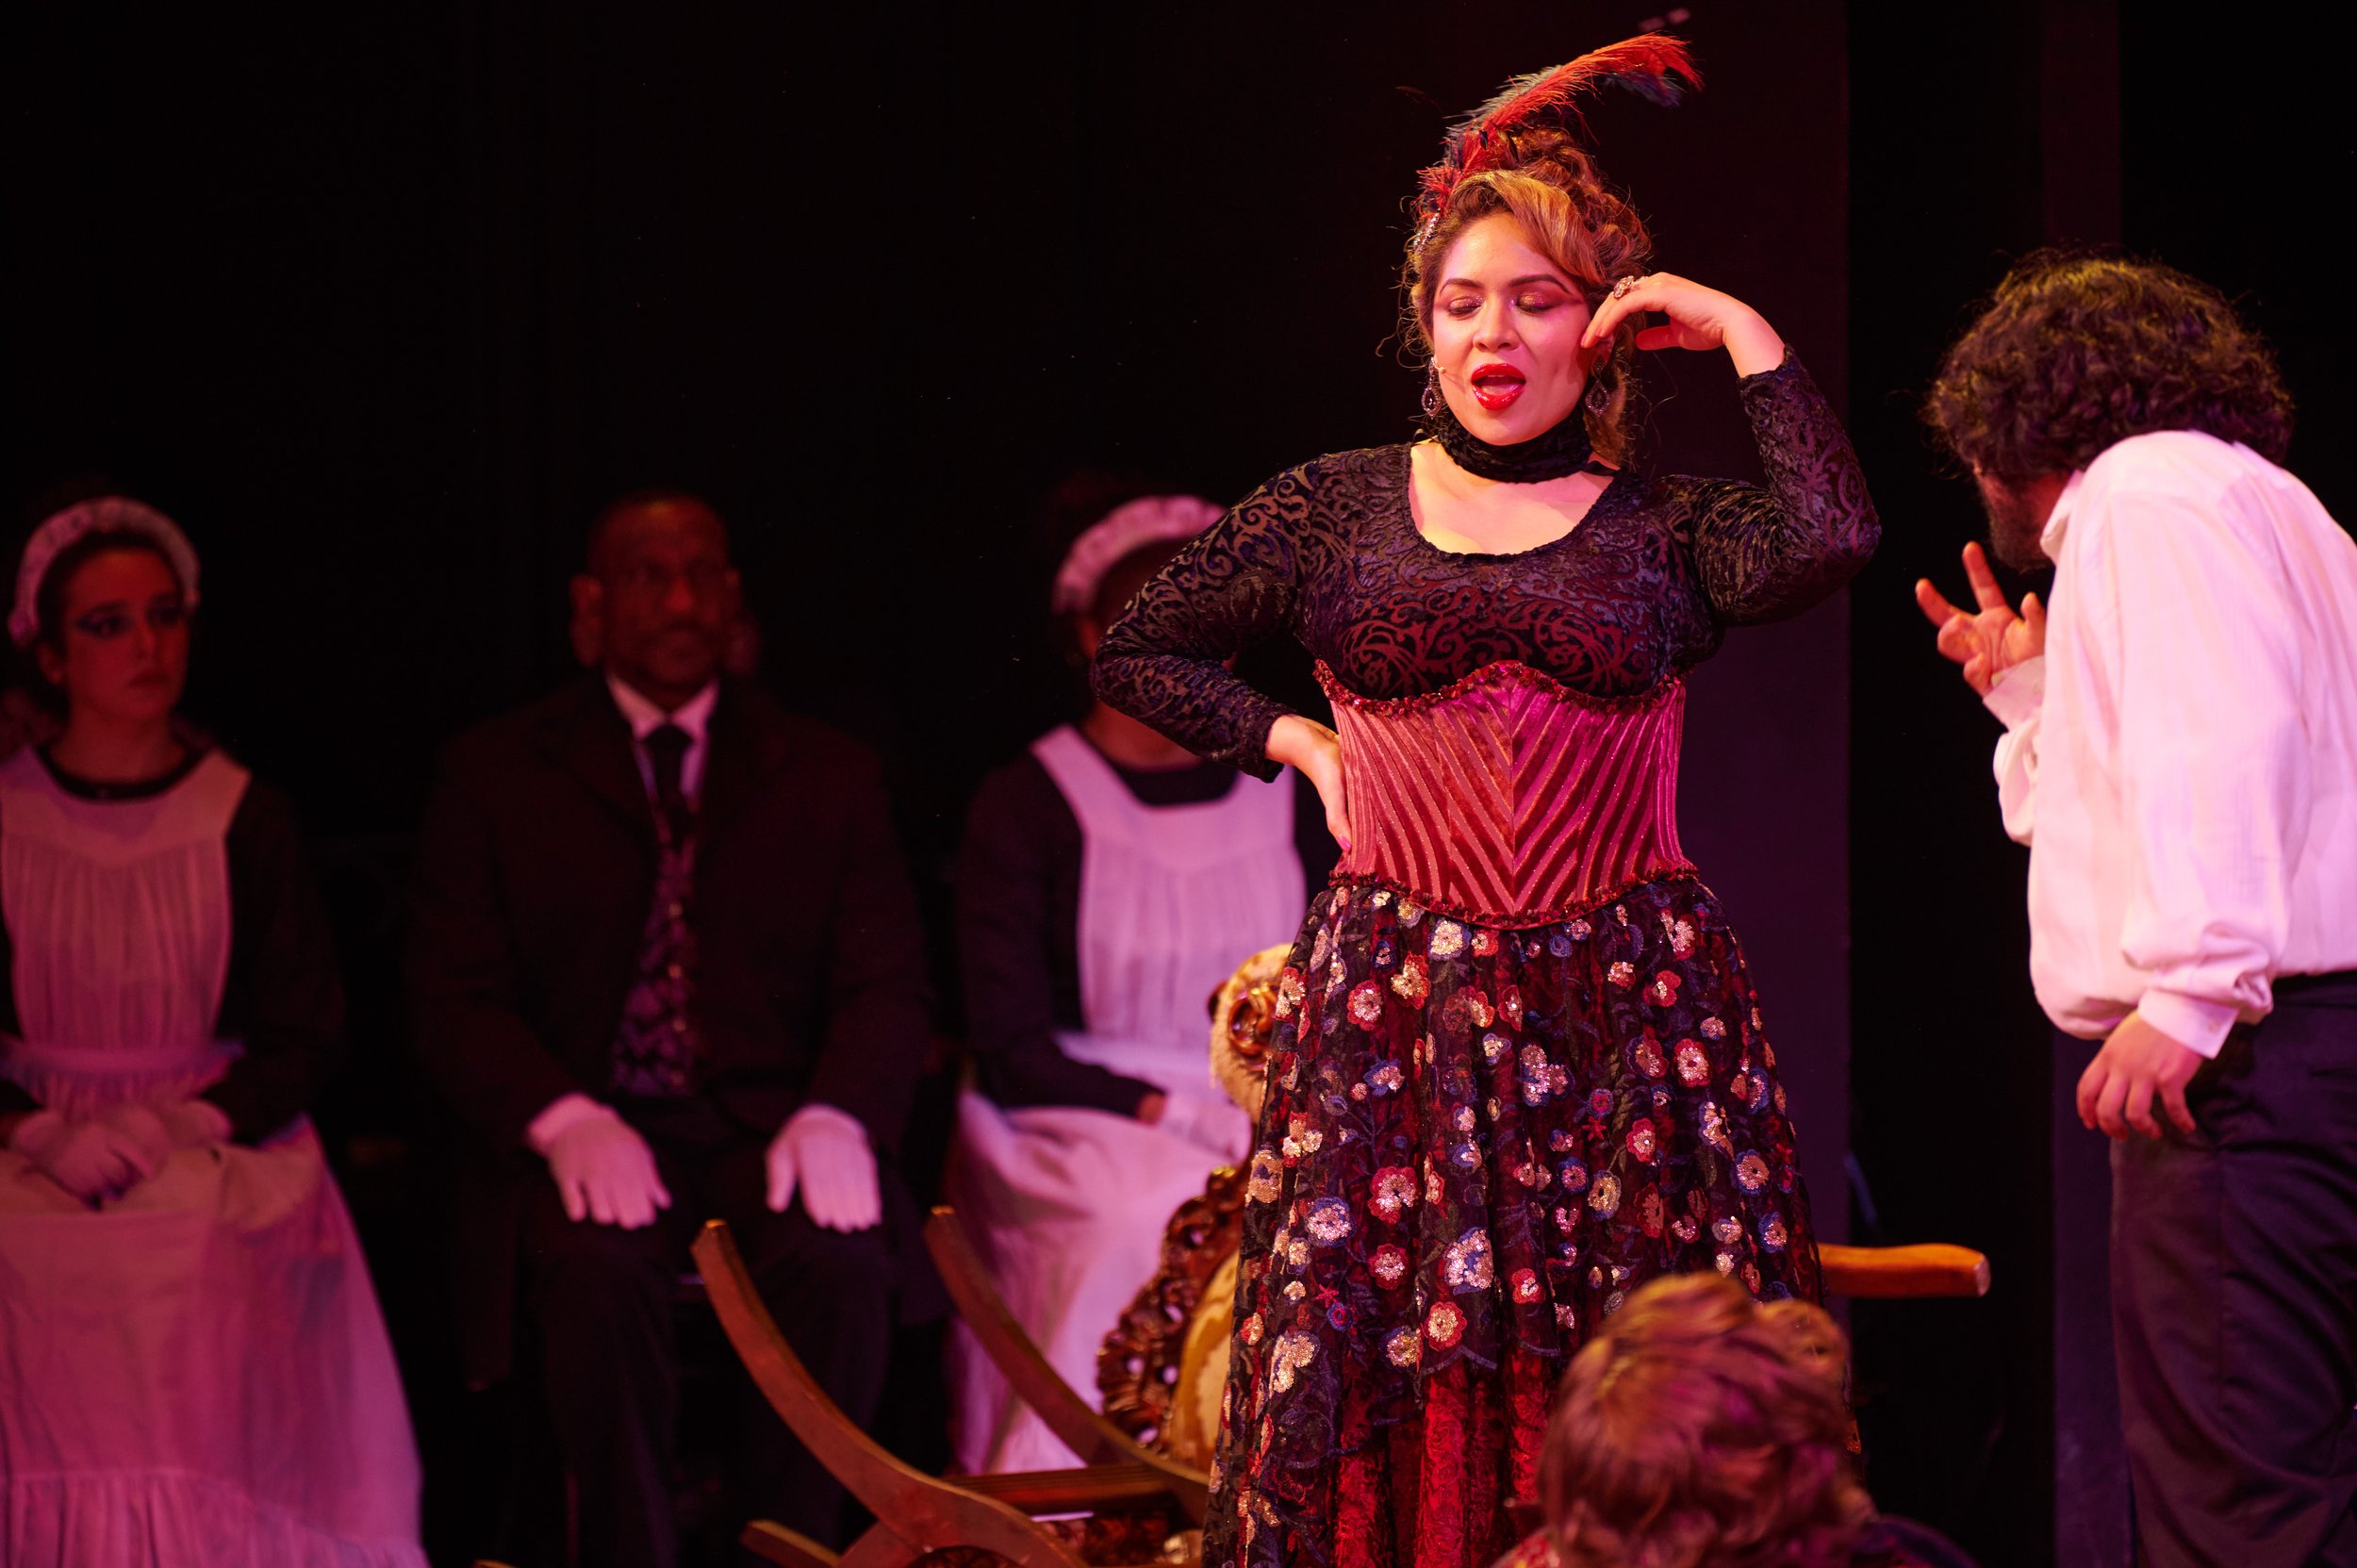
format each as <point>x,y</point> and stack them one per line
<point>1519,1069</point>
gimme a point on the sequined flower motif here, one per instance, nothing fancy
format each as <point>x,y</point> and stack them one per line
<point>1663,990</point>
<point>1251,1329</point>
<point>1559,945</point>
<point>1394,1193</point>
<point>1297,1252</point>
<point>1466,1265</point>
<point>1751,1172</point>
<point>1574,1174</point>
<point>1463,1118</point>
<point>1726,1262</point>
<point>1389,1263</point>
<point>1526,1284</point>
<point>1684,1229</point>
<point>1540,1077</point>
<point>1268,1173</point>
<point>1681,936</point>
<point>1581,930</point>
<point>1562,1140</point>
<point>1772,1234</point>
<point>1649,1210</point>
<point>1530,1173</point>
<point>1385,1077</point>
<point>1321,947</point>
<point>1381,898</point>
<point>1603,1198</point>
<point>1300,1139</point>
<point>1566,1220</point>
<point>1433,1189</point>
<point>1403,1347</point>
<point>1713,1029</point>
<point>1485,941</point>
<point>1464,1156</point>
<point>1385,952</point>
<point>1448,940</point>
<point>1444,1326</point>
<point>1493,1047</point>
<point>1478,1008</point>
<point>1648,1053</point>
<point>1409,913</point>
<point>1565,1318</point>
<point>1412,983</point>
<point>1510,1006</point>
<point>1740,1086</point>
<point>1600,1102</point>
<point>1366,1004</point>
<point>1749,1274</point>
<point>1693,1063</point>
<point>1643,1139</point>
<point>1725,1230</point>
<point>1328,1221</point>
<point>1623,972</point>
<point>1295,1349</point>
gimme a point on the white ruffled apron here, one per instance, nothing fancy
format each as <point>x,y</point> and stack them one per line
<point>196,1373</point>
<point>1068,1204</point>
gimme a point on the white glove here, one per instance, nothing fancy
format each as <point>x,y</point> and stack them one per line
<point>141,1127</point>
<point>604,1169</point>
<point>825,1150</point>
<point>194,1123</point>
<point>1207,1120</point>
<point>89,1159</point>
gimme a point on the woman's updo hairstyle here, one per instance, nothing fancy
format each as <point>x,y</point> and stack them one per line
<point>1521,153</point>
<point>1562,204</point>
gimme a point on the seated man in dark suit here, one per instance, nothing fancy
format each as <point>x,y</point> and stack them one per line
<point>667,963</point>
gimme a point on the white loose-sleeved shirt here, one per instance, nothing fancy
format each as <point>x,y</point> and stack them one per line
<point>2182,760</point>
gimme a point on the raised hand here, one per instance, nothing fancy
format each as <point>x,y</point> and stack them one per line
<point>1991,638</point>
<point>1700,318</point>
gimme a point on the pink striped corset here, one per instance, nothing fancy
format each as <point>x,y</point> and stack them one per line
<point>1505,797</point>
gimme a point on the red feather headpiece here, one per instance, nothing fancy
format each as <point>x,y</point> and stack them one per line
<point>1486,138</point>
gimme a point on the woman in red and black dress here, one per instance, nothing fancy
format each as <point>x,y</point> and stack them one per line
<point>1520,1069</point>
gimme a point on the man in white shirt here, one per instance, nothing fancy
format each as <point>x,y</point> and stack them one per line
<point>2181,756</point>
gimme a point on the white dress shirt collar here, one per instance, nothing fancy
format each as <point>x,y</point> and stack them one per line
<point>645,716</point>
<point>2049,538</point>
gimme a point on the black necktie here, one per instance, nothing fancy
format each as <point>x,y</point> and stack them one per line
<point>667,749</point>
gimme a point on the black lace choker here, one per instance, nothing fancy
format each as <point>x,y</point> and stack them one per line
<point>1562,448</point>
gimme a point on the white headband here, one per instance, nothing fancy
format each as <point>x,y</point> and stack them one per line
<point>107,514</point>
<point>1145,520</point>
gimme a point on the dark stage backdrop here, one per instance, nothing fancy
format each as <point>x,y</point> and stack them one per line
<point>383,302</point>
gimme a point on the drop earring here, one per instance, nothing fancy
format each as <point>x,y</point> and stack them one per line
<point>1432,391</point>
<point>1599,397</point>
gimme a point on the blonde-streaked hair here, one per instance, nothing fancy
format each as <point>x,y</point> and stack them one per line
<point>1570,216</point>
<point>1701,1430</point>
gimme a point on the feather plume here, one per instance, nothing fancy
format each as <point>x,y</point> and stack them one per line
<point>1650,65</point>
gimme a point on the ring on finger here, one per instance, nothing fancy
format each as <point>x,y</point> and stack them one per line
<point>1622,288</point>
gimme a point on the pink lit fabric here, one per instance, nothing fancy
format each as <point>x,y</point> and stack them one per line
<point>1508,800</point>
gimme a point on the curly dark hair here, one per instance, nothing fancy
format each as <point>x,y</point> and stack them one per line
<point>2079,351</point>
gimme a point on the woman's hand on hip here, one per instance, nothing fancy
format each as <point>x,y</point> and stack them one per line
<point>1699,319</point>
<point>1317,751</point>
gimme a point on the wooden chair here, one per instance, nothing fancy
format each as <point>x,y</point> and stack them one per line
<point>918,1515</point>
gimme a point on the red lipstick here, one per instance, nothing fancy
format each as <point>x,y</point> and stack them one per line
<point>1495,387</point>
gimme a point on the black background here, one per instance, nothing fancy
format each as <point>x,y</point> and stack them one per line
<point>383,302</point>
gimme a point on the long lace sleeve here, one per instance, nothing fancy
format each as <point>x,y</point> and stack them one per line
<point>1164,661</point>
<point>1765,553</point>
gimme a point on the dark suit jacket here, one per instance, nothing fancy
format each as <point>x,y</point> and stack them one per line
<point>535,873</point>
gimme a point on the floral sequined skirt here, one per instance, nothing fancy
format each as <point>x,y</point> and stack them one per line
<point>1475,1143</point>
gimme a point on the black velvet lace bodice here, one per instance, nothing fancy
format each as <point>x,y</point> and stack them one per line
<point>1640,590</point>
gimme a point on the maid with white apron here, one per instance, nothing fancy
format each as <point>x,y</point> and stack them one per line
<point>192,1368</point>
<point>1108,884</point>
